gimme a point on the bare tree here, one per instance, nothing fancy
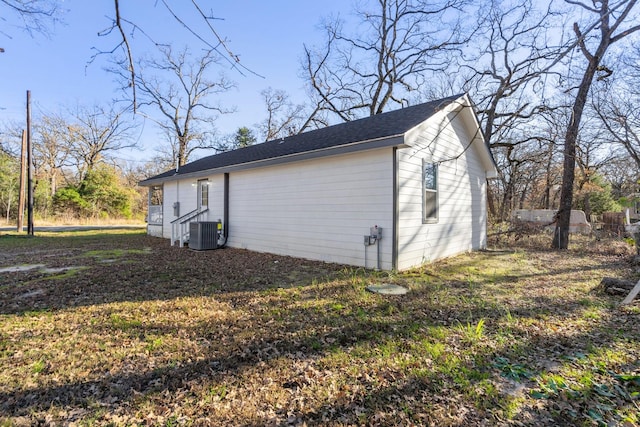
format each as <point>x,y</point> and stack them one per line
<point>549,131</point>
<point>359,74</point>
<point>610,18</point>
<point>505,70</point>
<point>177,88</point>
<point>284,118</point>
<point>522,165</point>
<point>9,183</point>
<point>39,15</point>
<point>210,39</point>
<point>510,165</point>
<point>623,175</point>
<point>93,133</point>
<point>622,119</point>
<point>616,104</point>
<point>166,155</point>
<point>516,56</point>
<point>51,151</point>
<point>593,151</point>
<point>33,16</point>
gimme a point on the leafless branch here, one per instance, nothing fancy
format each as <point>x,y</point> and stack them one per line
<point>125,41</point>
<point>176,86</point>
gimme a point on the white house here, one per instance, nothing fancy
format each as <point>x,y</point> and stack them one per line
<point>390,191</point>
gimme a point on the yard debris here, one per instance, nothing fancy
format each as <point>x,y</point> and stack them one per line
<point>613,286</point>
<point>632,294</point>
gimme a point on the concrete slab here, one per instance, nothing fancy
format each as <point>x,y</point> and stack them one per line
<point>19,268</point>
<point>42,268</point>
<point>58,270</point>
<point>387,289</point>
<point>31,294</point>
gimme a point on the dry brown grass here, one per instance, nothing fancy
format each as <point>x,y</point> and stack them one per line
<point>147,334</point>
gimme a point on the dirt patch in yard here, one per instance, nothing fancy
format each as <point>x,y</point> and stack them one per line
<point>151,270</point>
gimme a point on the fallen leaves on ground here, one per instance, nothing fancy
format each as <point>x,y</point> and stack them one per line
<point>141,333</point>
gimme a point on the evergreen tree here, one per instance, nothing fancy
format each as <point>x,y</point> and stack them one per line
<point>244,137</point>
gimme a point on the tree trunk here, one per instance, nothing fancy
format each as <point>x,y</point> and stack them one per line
<point>54,183</point>
<point>490,201</point>
<point>548,181</point>
<point>563,217</point>
<point>182,151</point>
<point>602,7</point>
<point>507,201</point>
<point>523,196</point>
<point>8,208</point>
<point>546,198</point>
<point>587,206</point>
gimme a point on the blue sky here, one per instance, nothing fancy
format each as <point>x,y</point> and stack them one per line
<point>268,36</point>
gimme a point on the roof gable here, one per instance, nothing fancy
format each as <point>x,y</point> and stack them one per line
<point>381,126</point>
<point>463,110</point>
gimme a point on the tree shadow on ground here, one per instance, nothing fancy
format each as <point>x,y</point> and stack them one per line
<point>143,268</point>
<point>425,395</point>
<point>320,319</point>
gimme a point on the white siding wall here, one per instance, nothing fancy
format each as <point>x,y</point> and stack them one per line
<point>462,216</point>
<point>169,197</point>
<point>216,198</point>
<point>317,209</point>
<point>186,191</point>
<point>321,209</point>
<point>154,230</point>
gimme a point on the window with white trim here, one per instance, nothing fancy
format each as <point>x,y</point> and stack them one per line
<point>203,185</point>
<point>156,195</point>
<point>429,192</point>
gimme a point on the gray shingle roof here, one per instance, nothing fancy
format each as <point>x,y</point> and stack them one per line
<point>380,126</point>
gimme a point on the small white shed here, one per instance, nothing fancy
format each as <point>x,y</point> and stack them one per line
<point>391,191</point>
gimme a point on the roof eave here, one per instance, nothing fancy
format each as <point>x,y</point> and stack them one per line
<point>371,144</point>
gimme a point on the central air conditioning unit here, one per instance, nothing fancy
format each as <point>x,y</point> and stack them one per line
<point>203,235</point>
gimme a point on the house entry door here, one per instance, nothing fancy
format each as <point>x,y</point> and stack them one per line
<point>203,194</point>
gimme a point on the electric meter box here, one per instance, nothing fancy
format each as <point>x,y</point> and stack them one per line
<point>376,232</point>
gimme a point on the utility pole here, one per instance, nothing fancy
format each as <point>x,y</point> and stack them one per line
<point>23,172</point>
<point>29,170</point>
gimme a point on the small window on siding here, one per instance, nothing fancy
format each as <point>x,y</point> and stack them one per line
<point>155,195</point>
<point>204,193</point>
<point>430,192</point>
